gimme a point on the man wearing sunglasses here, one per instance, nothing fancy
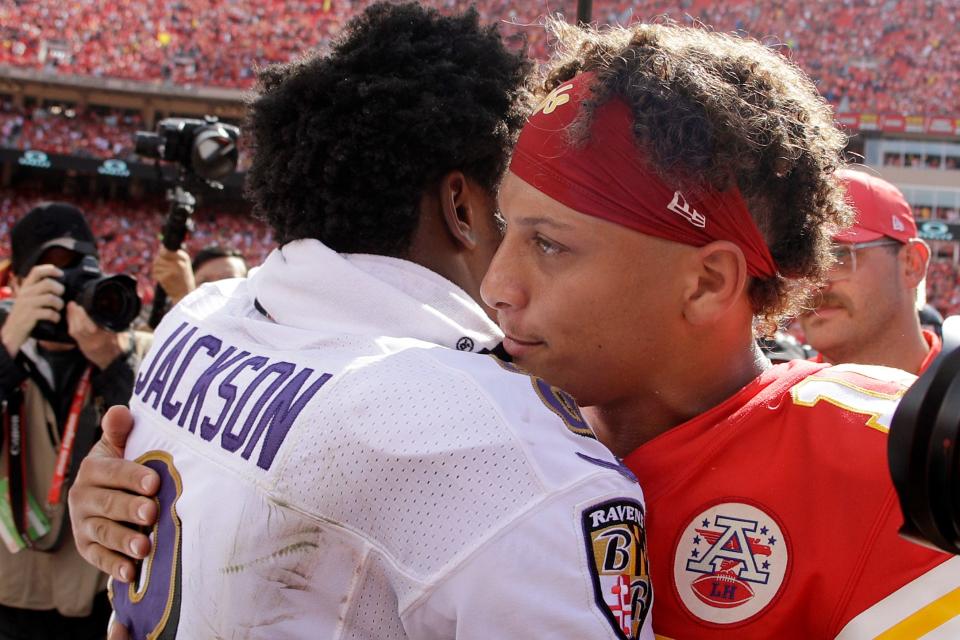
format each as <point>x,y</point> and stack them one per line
<point>53,385</point>
<point>867,311</point>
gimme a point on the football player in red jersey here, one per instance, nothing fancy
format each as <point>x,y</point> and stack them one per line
<point>867,310</point>
<point>674,187</point>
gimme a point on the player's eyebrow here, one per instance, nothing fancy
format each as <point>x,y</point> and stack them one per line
<point>532,221</point>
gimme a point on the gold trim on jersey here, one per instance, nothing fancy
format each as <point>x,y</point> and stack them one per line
<point>919,607</point>
<point>820,385</point>
<point>926,619</point>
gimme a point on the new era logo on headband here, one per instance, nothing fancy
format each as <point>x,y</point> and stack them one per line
<point>680,205</point>
<point>898,224</point>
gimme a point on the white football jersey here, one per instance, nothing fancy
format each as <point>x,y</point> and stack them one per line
<point>338,463</point>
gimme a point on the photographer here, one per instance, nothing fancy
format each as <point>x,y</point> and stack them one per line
<point>52,389</point>
<point>174,271</point>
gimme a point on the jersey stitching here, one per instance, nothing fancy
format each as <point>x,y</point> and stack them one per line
<point>836,621</point>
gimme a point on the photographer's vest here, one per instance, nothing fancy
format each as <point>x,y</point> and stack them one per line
<point>49,574</point>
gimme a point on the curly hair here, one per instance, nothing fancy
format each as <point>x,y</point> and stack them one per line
<point>717,110</point>
<point>345,143</point>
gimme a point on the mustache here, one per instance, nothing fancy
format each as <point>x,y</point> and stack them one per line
<point>829,299</point>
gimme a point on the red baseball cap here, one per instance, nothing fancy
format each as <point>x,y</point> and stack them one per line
<point>880,208</point>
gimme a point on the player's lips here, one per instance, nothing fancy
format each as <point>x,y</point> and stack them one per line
<point>518,347</point>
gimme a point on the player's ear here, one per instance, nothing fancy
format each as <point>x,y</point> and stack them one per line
<point>458,210</point>
<point>717,281</point>
<point>915,257</point>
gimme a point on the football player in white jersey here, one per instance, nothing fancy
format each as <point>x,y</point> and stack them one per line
<point>337,458</point>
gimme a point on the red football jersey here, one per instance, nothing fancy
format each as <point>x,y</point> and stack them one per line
<point>773,515</point>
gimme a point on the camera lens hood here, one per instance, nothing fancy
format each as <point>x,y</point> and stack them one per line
<point>922,450</point>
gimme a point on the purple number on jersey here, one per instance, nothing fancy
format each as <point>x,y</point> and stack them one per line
<point>149,607</point>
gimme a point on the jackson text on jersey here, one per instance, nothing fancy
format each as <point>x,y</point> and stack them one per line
<point>268,401</point>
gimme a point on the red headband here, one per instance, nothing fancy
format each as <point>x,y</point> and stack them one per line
<point>607,178</point>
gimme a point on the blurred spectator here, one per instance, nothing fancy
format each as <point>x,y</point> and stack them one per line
<point>216,263</point>
<point>174,271</point>
<point>128,233</point>
<point>867,312</point>
<point>943,287</point>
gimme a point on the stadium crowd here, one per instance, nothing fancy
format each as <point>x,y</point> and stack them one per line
<point>128,233</point>
<point>58,130</point>
<point>943,287</point>
<point>866,55</point>
<point>91,133</point>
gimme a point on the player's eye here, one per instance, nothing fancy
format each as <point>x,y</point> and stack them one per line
<point>547,247</point>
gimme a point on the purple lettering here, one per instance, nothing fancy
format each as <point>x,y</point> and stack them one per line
<point>143,377</point>
<point>203,383</point>
<point>163,371</point>
<point>233,441</point>
<point>212,345</point>
<point>280,414</point>
<point>228,391</point>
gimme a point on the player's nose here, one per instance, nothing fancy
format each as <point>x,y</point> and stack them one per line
<point>503,288</point>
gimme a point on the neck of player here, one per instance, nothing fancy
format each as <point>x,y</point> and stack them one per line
<point>695,378</point>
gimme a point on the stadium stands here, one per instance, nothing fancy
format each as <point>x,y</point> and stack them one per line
<point>867,56</point>
<point>943,287</point>
<point>894,56</point>
<point>58,130</point>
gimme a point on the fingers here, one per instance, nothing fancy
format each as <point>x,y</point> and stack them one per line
<point>112,547</point>
<point>117,424</point>
<point>103,498</point>
<point>113,564</point>
<point>40,272</point>
<point>111,473</point>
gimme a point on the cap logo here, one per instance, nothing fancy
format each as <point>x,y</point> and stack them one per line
<point>680,206</point>
<point>556,98</point>
<point>898,224</point>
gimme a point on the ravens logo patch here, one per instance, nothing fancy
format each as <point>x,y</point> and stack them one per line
<point>616,543</point>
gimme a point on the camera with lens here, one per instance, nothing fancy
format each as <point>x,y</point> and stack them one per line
<point>206,148</point>
<point>923,451</point>
<point>110,301</point>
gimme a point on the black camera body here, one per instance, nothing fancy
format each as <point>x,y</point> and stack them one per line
<point>924,450</point>
<point>207,148</point>
<point>110,301</point>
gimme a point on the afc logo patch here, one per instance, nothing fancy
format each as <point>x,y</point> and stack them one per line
<point>616,544</point>
<point>730,563</point>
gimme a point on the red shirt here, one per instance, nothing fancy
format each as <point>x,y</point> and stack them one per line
<point>773,514</point>
<point>933,341</point>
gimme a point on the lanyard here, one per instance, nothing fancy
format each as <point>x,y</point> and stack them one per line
<point>68,438</point>
<point>15,444</point>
